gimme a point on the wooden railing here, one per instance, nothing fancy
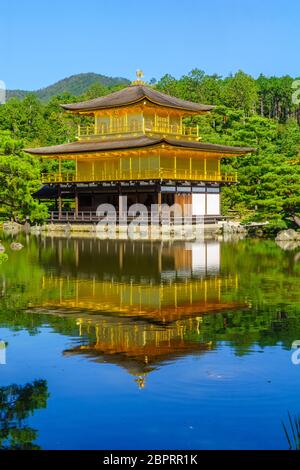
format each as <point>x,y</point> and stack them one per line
<point>118,218</point>
<point>90,131</point>
<point>127,175</point>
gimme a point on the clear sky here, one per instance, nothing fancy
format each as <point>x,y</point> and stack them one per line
<point>45,41</point>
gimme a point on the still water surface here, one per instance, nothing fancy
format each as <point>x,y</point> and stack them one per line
<point>137,344</point>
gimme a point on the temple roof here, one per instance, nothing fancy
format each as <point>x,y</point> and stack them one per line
<point>138,142</point>
<point>134,94</point>
<point>46,192</point>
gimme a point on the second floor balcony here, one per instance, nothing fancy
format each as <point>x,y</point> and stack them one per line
<point>138,175</point>
<point>104,132</point>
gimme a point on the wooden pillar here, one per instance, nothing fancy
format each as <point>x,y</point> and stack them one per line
<point>76,203</point>
<point>121,256</point>
<point>159,201</point>
<point>59,202</point>
<point>93,171</point>
<point>59,168</point>
<point>188,205</point>
<point>122,208</point>
<point>76,246</point>
<point>159,256</point>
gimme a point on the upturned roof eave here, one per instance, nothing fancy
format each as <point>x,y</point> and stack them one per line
<point>85,148</point>
<point>72,109</point>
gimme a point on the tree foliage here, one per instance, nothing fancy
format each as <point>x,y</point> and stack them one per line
<point>19,179</point>
<point>17,403</point>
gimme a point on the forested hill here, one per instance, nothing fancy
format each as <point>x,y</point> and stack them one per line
<point>75,85</point>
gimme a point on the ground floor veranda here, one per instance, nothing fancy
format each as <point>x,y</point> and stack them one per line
<point>80,202</point>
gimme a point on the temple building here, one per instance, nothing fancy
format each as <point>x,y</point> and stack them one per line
<point>148,280</point>
<point>135,145</point>
<point>136,305</point>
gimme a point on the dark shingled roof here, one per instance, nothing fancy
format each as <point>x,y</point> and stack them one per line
<point>46,192</point>
<point>134,94</point>
<point>138,142</point>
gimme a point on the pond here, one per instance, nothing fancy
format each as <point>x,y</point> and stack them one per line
<point>111,344</point>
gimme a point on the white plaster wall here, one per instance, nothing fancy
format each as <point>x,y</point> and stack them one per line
<point>212,204</point>
<point>198,204</point>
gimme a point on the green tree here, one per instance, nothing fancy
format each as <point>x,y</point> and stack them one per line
<point>96,90</point>
<point>240,91</point>
<point>19,179</point>
<point>17,403</point>
<point>168,84</point>
<point>23,118</point>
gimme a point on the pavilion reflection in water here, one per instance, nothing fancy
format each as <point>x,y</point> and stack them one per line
<point>136,304</point>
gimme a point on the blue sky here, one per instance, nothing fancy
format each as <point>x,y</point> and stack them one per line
<point>44,41</point>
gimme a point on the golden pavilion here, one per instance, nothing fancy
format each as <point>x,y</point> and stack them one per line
<point>137,305</point>
<point>137,146</point>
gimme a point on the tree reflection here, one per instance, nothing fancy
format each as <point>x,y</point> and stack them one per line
<point>17,403</point>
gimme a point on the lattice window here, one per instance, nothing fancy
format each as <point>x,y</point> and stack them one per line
<point>162,122</point>
<point>103,128</point>
<point>118,123</point>
<point>134,125</point>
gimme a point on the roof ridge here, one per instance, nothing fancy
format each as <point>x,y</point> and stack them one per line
<point>134,94</point>
<point>143,141</point>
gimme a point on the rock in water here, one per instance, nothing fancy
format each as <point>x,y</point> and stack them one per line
<point>288,235</point>
<point>288,245</point>
<point>16,246</point>
<point>11,227</point>
<point>296,219</point>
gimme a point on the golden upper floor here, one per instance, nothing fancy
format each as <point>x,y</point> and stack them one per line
<point>137,110</point>
<point>120,125</point>
<point>130,125</point>
<point>165,301</point>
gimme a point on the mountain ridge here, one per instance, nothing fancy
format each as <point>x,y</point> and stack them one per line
<point>75,84</point>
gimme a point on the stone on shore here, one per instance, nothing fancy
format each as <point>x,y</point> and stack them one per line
<point>231,227</point>
<point>16,246</point>
<point>288,245</point>
<point>289,235</point>
<point>12,227</point>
